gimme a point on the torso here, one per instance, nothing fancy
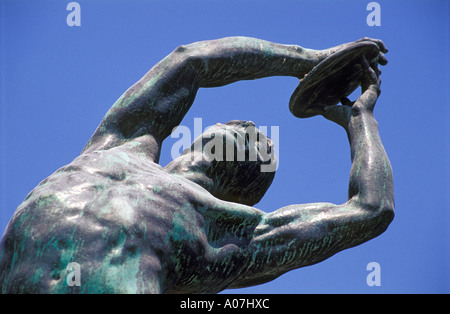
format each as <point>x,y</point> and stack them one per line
<point>129,225</point>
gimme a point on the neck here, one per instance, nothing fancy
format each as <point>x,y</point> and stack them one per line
<point>192,169</point>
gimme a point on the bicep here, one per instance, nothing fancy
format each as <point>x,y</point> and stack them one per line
<point>154,105</point>
<point>323,227</point>
<point>230,223</point>
<point>310,232</point>
<point>300,235</point>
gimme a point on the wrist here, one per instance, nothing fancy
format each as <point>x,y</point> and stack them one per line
<point>360,119</point>
<point>359,109</point>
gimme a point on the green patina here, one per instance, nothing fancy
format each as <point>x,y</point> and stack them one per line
<point>113,216</point>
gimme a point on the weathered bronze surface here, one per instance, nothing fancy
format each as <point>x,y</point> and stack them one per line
<point>135,227</point>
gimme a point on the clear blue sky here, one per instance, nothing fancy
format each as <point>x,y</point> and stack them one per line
<point>57,82</point>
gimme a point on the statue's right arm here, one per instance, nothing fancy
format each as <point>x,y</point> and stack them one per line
<point>157,103</point>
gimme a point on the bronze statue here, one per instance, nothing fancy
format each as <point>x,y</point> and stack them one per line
<point>136,227</point>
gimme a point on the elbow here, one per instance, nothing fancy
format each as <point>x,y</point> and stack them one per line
<point>386,216</point>
<point>189,56</point>
<point>380,213</point>
<point>383,215</point>
<point>186,52</point>
<point>181,49</point>
<point>182,54</point>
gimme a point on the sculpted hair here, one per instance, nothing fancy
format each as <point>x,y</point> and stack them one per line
<point>236,151</point>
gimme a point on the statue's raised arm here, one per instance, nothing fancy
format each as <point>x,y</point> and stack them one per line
<point>156,104</point>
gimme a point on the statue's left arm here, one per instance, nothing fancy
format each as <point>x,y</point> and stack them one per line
<point>301,235</point>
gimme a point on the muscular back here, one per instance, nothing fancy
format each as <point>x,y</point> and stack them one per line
<point>131,226</point>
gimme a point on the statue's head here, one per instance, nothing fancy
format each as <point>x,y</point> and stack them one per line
<point>236,158</point>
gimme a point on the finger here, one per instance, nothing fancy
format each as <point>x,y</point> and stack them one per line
<point>382,59</point>
<point>378,42</point>
<point>365,65</point>
<point>369,76</point>
<point>381,45</point>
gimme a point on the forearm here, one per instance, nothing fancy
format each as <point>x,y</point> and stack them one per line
<point>223,61</point>
<point>371,179</point>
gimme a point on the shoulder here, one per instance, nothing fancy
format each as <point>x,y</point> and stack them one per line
<point>141,144</point>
